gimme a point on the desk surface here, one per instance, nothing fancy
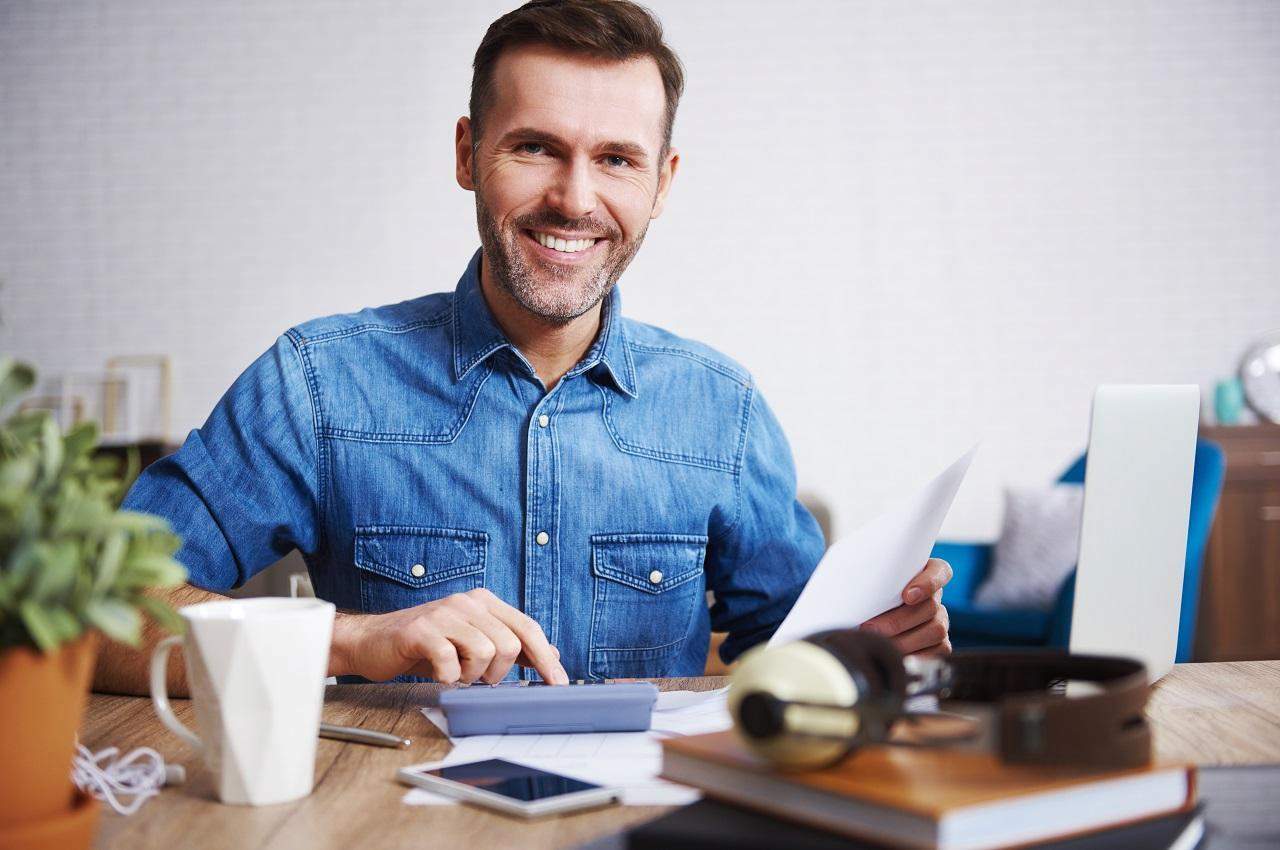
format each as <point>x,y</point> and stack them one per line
<point>1223,713</point>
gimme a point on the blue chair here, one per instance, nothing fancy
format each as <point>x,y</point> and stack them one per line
<point>977,627</point>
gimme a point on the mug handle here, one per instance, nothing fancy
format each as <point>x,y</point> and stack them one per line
<point>160,693</point>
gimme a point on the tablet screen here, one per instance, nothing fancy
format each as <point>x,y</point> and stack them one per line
<point>513,781</point>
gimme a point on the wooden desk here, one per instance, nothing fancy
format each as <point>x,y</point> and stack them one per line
<point>1225,713</point>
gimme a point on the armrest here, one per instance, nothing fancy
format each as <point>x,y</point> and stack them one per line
<point>970,562</point>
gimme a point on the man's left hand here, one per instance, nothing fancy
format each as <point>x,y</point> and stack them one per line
<point>921,623</point>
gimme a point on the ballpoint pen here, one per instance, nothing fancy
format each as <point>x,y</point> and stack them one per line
<point>362,736</point>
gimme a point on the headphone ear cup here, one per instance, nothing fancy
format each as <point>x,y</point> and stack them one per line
<point>873,661</point>
<point>885,657</point>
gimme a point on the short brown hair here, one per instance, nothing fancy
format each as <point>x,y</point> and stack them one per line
<point>603,29</point>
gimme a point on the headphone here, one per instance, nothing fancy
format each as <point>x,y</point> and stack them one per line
<point>813,702</point>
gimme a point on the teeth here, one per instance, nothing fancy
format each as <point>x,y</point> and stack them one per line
<point>565,246</point>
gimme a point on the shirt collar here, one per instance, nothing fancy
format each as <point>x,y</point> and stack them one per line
<point>476,336</point>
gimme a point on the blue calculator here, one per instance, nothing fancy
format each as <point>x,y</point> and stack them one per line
<point>538,709</point>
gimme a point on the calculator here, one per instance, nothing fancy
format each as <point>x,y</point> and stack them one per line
<point>519,708</point>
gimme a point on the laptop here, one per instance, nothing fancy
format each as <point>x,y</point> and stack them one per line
<point>1133,539</point>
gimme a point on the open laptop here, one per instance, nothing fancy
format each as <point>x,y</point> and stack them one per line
<point>1133,540</point>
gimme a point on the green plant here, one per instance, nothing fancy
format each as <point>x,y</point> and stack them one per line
<point>70,559</point>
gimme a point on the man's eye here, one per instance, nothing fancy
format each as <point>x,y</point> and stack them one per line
<point>530,147</point>
<point>616,161</point>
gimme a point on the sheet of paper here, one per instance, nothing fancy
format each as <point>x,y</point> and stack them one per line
<point>863,573</point>
<point>630,761</point>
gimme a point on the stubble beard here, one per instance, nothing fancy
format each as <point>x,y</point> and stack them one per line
<point>556,294</point>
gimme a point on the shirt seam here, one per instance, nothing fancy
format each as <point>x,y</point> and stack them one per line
<point>317,426</point>
<point>374,327</point>
<point>418,439</point>
<point>629,447</point>
<point>737,468</point>
<point>727,371</point>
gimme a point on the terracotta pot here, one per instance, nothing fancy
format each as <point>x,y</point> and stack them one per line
<point>69,830</point>
<point>42,699</point>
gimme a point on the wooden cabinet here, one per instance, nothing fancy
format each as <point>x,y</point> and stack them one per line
<point>1240,588</point>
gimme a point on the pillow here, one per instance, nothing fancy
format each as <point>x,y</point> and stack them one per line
<point>1038,548</point>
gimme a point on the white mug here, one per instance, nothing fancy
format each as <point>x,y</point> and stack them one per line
<point>256,668</point>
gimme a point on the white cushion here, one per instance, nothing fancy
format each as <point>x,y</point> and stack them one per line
<point>1038,548</point>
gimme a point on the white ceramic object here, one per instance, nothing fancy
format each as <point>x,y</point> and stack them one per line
<point>256,669</point>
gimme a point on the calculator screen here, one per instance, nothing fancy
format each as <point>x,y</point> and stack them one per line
<point>514,781</point>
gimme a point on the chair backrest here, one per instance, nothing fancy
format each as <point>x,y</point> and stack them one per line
<point>1206,487</point>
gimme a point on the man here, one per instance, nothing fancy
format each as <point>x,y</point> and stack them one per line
<point>512,473</point>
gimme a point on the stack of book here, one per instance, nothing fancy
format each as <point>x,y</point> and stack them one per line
<point>935,798</point>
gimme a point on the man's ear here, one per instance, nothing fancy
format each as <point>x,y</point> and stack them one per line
<point>465,155</point>
<point>665,175</point>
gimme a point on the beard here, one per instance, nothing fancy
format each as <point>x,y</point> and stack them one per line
<point>555,293</point>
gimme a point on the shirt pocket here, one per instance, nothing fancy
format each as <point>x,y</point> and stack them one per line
<point>401,566</point>
<point>647,589</point>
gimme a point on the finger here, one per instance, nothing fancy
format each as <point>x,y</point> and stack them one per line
<point>939,650</point>
<point>439,657</point>
<point>935,574</point>
<point>505,642</point>
<point>535,649</point>
<point>895,621</point>
<point>474,648</point>
<point>926,636</point>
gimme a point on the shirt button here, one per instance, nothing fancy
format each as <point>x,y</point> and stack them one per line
<point>418,570</point>
<point>544,420</point>
<point>542,538</point>
<point>655,577</point>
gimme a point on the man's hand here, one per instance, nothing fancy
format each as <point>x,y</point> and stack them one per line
<point>920,624</point>
<point>461,638</point>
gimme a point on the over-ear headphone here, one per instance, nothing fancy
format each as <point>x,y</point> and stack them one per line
<point>813,702</point>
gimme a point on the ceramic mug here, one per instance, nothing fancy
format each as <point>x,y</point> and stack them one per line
<point>256,669</point>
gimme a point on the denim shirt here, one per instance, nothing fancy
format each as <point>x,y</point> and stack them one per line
<point>411,452</point>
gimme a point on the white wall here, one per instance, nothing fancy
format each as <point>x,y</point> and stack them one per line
<point>917,223</point>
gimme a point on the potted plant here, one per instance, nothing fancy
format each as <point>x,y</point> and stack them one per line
<point>72,566</point>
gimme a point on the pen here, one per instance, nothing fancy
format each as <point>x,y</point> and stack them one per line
<point>362,736</point>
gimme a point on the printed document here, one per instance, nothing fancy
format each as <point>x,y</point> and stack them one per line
<point>863,574</point>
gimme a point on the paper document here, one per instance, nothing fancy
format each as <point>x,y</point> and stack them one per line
<point>863,574</point>
<point>630,761</point>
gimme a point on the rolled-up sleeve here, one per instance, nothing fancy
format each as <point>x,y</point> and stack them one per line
<point>243,489</point>
<point>758,564</point>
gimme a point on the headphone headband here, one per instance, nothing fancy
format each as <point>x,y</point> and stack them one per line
<point>1038,726</point>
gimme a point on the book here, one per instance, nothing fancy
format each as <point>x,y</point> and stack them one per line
<point>932,798</point>
<point>712,825</point>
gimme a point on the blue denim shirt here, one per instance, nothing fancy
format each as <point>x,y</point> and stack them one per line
<point>411,452</point>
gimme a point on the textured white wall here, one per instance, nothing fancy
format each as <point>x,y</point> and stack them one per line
<point>917,223</point>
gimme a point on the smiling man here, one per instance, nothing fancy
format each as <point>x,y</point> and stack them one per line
<point>512,473</point>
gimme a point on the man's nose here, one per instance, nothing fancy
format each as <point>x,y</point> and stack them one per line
<point>573,194</point>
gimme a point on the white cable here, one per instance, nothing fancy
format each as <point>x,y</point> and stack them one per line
<point>139,775</point>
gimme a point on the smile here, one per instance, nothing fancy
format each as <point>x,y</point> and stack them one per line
<point>564,246</point>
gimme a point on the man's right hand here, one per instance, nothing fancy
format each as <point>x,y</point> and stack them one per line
<point>462,638</point>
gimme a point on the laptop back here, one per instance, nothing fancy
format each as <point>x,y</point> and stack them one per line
<point>1133,540</point>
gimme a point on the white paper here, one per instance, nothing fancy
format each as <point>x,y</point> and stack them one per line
<point>630,761</point>
<point>864,573</point>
